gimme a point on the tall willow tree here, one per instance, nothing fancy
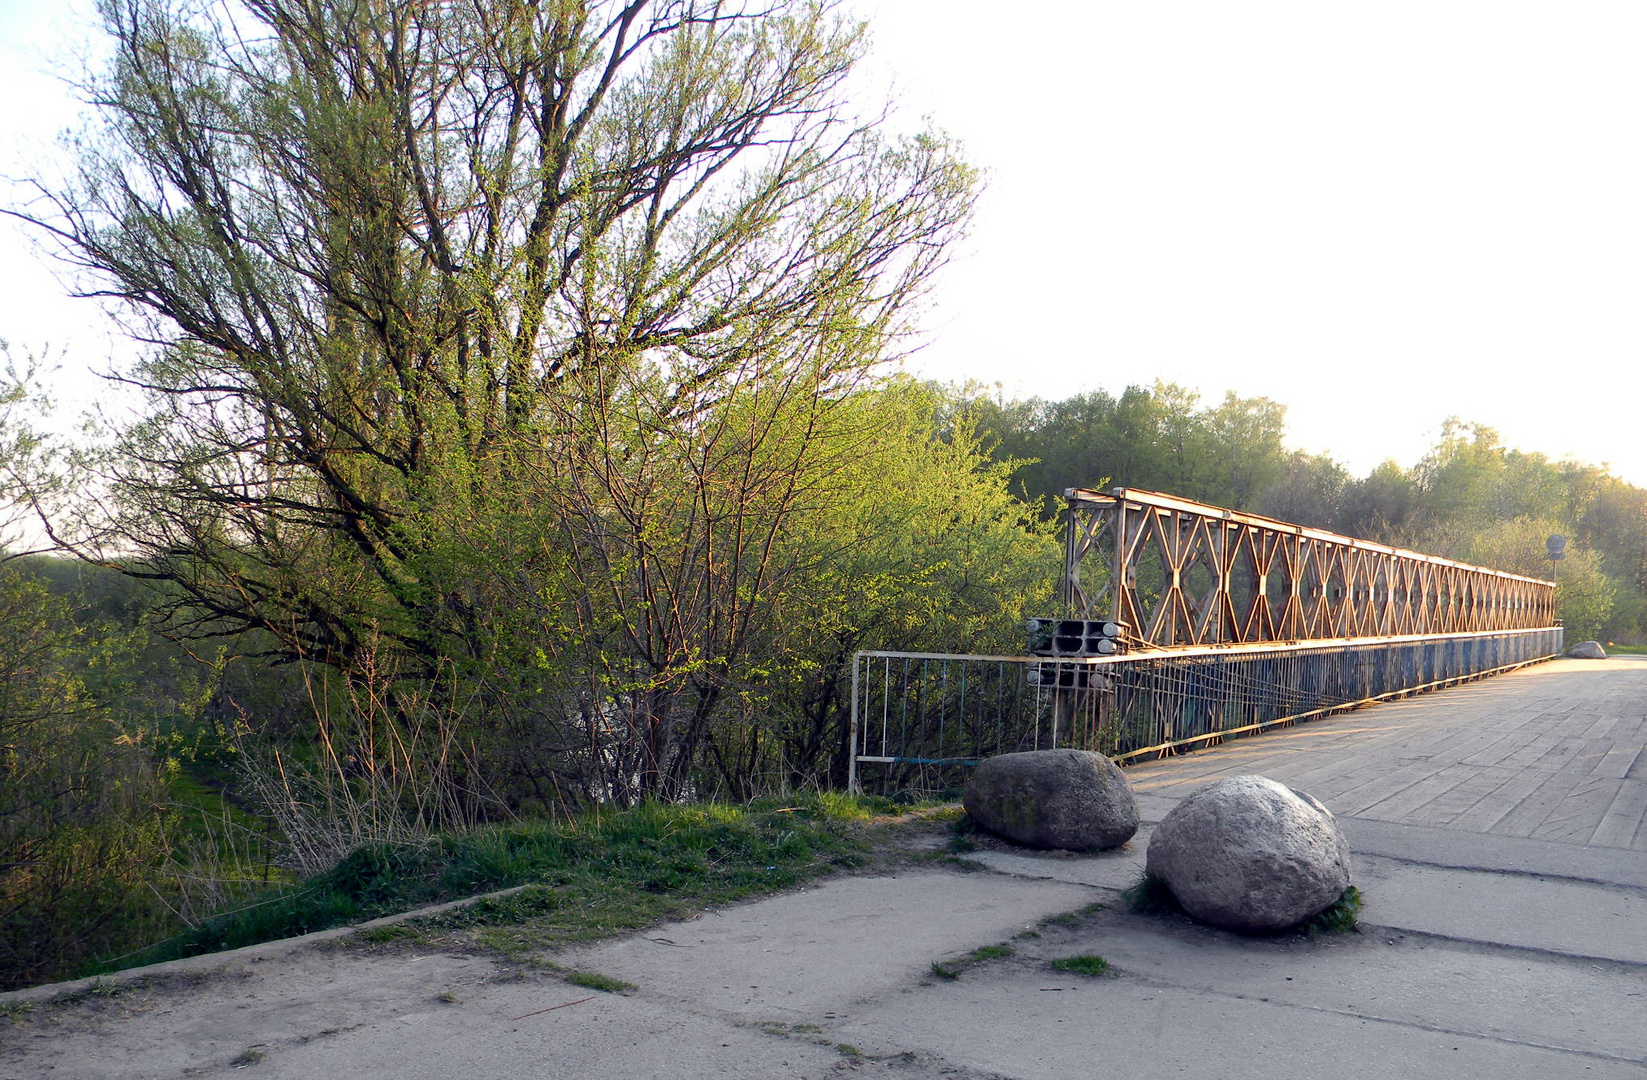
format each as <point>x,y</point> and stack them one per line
<point>471,322</point>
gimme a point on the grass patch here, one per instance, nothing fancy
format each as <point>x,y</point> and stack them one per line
<point>384,935</point>
<point>13,1012</point>
<point>203,807</point>
<point>951,860</point>
<point>952,969</point>
<point>962,829</point>
<point>590,980</point>
<point>1087,964</point>
<point>97,988</point>
<point>1149,895</point>
<point>605,873</point>
<point>812,1033</point>
<point>1070,918</point>
<point>1339,918</point>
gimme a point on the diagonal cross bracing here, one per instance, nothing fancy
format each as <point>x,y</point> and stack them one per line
<point>1175,572</point>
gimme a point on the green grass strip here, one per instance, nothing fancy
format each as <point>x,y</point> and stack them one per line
<point>605,873</point>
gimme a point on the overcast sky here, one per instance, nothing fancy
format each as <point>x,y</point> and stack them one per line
<point>1380,215</point>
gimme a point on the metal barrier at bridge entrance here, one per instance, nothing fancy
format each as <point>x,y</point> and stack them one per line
<point>1215,624</point>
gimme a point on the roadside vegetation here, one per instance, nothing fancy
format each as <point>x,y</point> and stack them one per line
<point>599,874</point>
<point>519,459</point>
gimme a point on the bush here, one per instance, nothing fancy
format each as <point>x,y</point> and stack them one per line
<point>82,824</point>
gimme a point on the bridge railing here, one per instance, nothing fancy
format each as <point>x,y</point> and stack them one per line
<point>919,720</point>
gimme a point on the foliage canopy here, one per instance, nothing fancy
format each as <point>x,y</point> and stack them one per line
<point>506,357</point>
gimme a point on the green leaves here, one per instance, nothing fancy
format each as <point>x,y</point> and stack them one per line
<point>80,822</point>
<point>505,354</point>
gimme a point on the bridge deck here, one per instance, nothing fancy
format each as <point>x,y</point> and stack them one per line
<point>1553,752</point>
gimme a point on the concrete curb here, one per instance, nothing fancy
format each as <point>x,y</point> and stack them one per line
<point>210,962</point>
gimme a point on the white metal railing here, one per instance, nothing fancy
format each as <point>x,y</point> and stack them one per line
<point>923,718</point>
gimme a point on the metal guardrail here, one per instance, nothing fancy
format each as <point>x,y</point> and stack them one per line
<point>921,719</point>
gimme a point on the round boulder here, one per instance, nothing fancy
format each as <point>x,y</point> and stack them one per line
<point>1587,650</point>
<point>1250,854</point>
<point>1071,799</point>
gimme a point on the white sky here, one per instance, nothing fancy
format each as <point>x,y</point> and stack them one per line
<point>1380,215</point>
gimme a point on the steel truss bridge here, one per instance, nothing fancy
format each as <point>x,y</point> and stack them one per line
<point>1219,624</point>
<point>1172,572</point>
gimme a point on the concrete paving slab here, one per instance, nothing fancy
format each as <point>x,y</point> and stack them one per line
<point>797,955</point>
<point>1112,870</point>
<point>590,1035</point>
<point>1528,999</point>
<point>1469,851</point>
<point>1624,818</point>
<point>1022,1024</point>
<point>1576,918</point>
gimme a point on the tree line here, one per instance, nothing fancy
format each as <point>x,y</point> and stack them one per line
<point>1468,498</point>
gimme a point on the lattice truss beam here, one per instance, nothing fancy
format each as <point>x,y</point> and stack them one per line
<point>1176,572</point>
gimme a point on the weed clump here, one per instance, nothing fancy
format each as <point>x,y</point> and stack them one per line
<point>590,980</point>
<point>1087,964</point>
<point>384,935</point>
<point>1072,918</point>
<point>1149,895</point>
<point>952,969</point>
<point>1339,917</point>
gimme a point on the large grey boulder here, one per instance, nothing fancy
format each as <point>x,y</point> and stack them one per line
<point>1587,650</point>
<point>1248,853</point>
<point>1072,799</point>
